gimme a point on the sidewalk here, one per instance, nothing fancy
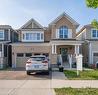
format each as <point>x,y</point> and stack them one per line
<point>59,81</point>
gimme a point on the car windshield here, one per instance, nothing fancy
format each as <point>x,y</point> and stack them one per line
<point>38,58</point>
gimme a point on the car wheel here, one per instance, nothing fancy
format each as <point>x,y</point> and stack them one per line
<point>28,73</point>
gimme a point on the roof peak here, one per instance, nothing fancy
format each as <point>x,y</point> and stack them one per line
<point>64,14</point>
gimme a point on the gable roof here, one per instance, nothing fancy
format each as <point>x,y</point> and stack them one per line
<point>32,21</point>
<point>85,26</point>
<point>67,17</point>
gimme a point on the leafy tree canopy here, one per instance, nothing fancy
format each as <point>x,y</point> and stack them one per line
<point>95,23</point>
<point>92,3</point>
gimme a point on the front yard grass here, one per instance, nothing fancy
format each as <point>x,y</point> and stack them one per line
<point>83,75</point>
<point>76,91</point>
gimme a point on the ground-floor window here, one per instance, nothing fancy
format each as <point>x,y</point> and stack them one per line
<point>28,54</point>
<point>37,54</point>
<point>20,54</point>
<point>96,54</point>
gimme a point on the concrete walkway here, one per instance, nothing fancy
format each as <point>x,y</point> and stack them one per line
<point>58,75</point>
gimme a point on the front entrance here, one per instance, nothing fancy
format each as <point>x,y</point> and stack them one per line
<point>64,53</point>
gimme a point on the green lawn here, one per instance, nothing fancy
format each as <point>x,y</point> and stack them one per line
<point>84,75</point>
<point>76,91</point>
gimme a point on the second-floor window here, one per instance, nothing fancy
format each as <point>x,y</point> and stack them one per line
<point>63,32</point>
<point>33,36</point>
<point>94,33</point>
<point>1,35</point>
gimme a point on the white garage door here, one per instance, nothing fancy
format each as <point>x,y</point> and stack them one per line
<point>21,59</point>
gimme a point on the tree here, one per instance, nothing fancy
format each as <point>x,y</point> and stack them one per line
<point>95,23</point>
<point>93,4</point>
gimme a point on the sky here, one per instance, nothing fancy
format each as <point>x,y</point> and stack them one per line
<point>17,12</point>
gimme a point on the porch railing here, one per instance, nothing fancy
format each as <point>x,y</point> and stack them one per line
<point>71,60</point>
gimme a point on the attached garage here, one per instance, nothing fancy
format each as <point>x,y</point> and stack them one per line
<point>21,52</point>
<point>21,58</point>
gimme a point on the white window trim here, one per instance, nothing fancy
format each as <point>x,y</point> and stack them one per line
<point>92,34</point>
<point>3,34</point>
<point>63,34</point>
<point>58,34</point>
<point>41,32</point>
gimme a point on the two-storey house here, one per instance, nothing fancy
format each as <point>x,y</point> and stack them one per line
<point>89,35</point>
<point>7,35</point>
<point>56,39</point>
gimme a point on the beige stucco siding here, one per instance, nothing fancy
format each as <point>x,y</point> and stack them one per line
<point>94,45</point>
<point>47,35</point>
<point>85,52</point>
<point>88,33</point>
<point>33,49</point>
<point>94,49</point>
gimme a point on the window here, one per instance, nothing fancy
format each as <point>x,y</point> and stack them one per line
<point>28,54</point>
<point>96,54</point>
<point>42,36</point>
<point>63,32</point>
<point>33,37</point>
<point>1,34</point>
<point>95,33</point>
<point>38,36</point>
<point>20,54</point>
<point>37,54</point>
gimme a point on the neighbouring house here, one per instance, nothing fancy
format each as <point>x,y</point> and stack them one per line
<point>59,38</point>
<point>89,35</point>
<point>7,35</point>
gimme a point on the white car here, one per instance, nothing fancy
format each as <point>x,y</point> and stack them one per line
<point>38,63</point>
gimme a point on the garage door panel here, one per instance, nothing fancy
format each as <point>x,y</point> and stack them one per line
<point>20,61</point>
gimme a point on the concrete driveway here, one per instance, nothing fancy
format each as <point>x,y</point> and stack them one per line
<point>26,87</point>
<point>18,83</point>
<point>21,75</point>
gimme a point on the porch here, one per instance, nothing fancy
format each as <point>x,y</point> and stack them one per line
<point>64,53</point>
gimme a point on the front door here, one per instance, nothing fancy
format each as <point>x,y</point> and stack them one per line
<point>64,53</point>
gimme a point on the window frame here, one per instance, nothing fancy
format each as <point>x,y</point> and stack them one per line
<point>64,30</point>
<point>33,36</point>
<point>20,53</point>
<point>92,33</point>
<point>3,34</point>
<point>26,54</point>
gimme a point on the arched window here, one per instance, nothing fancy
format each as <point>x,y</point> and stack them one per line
<point>63,32</point>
